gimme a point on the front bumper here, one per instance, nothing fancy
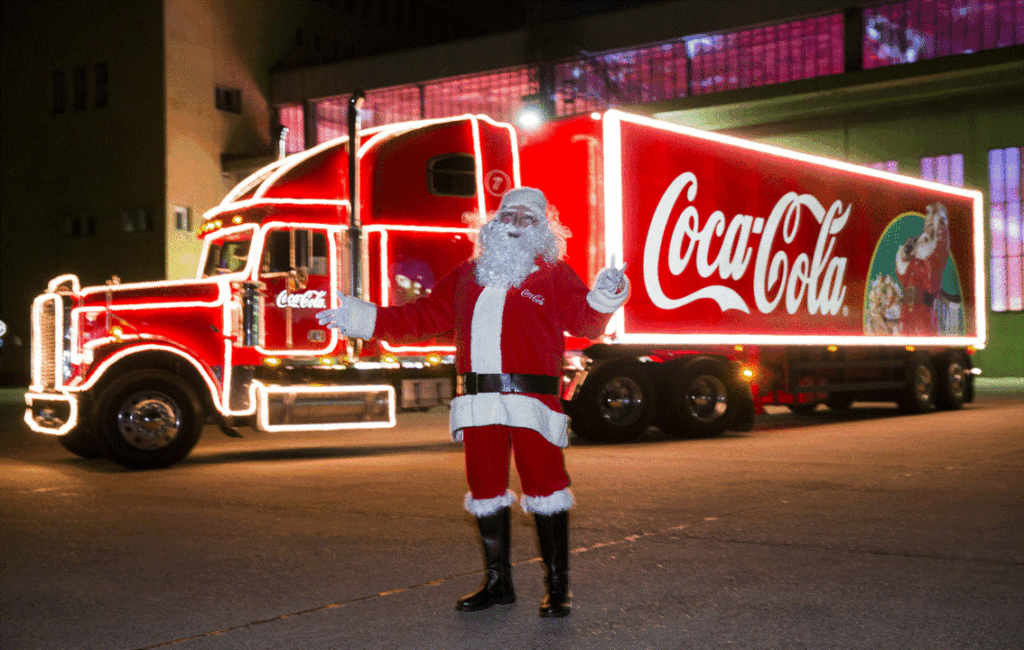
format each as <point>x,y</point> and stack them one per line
<point>52,413</point>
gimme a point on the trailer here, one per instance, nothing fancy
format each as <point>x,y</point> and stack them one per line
<point>759,276</point>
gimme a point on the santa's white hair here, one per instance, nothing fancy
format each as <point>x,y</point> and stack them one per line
<point>506,253</point>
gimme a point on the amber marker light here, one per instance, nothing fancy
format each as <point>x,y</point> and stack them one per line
<point>910,348</point>
<point>433,359</point>
<point>271,362</point>
<point>748,373</point>
<point>117,332</point>
<point>833,348</point>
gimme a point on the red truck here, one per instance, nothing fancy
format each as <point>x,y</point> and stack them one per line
<point>759,276</point>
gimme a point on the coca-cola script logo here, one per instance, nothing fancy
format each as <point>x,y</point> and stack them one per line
<point>818,278</point>
<point>307,300</point>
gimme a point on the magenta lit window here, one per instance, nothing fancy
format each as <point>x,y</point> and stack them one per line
<point>1005,229</point>
<point>887,166</point>
<point>912,30</point>
<point>948,170</point>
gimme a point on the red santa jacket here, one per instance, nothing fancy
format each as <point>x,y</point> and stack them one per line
<point>518,330</point>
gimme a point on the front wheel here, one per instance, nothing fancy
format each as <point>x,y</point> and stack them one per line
<point>704,400</point>
<point>148,419</point>
<point>615,404</point>
<point>81,441</point>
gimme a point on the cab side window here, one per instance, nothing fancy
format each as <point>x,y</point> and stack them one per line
<point>285,251</point>
<point>452,174</point>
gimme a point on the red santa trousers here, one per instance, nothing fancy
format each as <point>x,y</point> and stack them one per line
<point>488,449</point>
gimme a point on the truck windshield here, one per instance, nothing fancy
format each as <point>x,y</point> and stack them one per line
<point>227,254</point>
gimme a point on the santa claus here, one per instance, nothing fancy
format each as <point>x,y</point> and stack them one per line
<point>920,264</point>
<point>509,307</point>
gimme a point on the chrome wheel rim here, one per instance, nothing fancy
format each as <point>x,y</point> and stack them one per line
<point>706,398</point>
<point>621,401</point>
<point>149,420</point>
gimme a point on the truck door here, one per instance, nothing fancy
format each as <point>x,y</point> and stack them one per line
<point>295,274</point>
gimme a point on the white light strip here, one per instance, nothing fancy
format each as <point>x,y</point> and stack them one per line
<point>71,422</point>
<point>61,279</point>
<point>613,228</point>
<point>264,391</point>
<point>252,203</point>
<point>37,341</point>
<point>801,339</point>
<point>514,140</point>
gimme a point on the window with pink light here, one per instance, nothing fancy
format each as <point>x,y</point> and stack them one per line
<point>1005,229</point>
<point>912,30</point>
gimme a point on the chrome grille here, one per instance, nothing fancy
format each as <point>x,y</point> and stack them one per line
<point>45,332</point>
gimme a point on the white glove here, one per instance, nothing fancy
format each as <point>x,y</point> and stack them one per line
<point>611,288</point>
<point>612,280</point>
<point>353,317</point>
<point>337,318</point>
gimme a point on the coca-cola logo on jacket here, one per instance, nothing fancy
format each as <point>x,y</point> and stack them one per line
<point>750,249</point>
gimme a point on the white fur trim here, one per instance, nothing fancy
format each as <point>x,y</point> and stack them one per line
<point>553,503</point>
<point>361,318</point>
<point>606,302</point>
<point>484,507</point>
<point>485,331</point>
<point>519,411</point>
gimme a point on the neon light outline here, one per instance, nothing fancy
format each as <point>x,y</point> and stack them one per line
<point>262,392</point>
<point>612,133</point>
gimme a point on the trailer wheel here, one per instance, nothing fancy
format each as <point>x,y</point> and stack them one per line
<point>616,403</point>
<point>81,441</point>
<point>951,381</point>
<point>148,419</point>
<point>704,400</point>
<point>919,393</point>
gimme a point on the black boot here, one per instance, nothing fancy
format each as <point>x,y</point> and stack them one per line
<point>497,586</point>
<point>553,533</point>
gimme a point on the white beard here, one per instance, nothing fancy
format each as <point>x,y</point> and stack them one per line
<point>506,260</point>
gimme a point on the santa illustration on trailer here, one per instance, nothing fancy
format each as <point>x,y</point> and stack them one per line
<point>920,264</point>
<point>509,308</point>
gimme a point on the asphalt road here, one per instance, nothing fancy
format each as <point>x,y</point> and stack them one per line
<point>863,530</point>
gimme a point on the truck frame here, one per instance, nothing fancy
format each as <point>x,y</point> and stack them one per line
<point>776,303</point>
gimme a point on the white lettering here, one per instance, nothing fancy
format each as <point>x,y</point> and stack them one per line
<point>532,296</point>
<point>308,300</point>
<point>816,280</point>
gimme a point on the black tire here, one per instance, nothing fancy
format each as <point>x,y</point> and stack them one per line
<point>919,393</point>
<point>951,381</point>
<point>703,399</point>
<point>616,403</point>
<point>803,408</point>
<point>148,419</point>
<point>839,401</point>
<point>81,441</point>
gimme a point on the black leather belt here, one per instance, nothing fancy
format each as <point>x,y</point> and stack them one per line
<point>471,383</point>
